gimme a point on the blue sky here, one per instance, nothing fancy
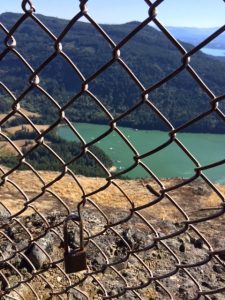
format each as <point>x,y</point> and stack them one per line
<point>191,13</point>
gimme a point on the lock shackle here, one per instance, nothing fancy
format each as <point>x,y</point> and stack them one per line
<point>73,217</point>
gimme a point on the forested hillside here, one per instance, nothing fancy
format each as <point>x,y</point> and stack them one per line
<point>149,54</point>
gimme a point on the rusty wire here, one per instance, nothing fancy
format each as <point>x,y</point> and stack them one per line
<point>14,290</point>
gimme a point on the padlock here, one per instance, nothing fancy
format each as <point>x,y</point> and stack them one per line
<point>74,259</point>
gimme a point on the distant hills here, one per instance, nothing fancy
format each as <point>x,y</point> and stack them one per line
<point>194,36</point>
<point>149,54</point>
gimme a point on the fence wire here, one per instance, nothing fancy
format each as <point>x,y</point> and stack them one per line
<point>130,255</point>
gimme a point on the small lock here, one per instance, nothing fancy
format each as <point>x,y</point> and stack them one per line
<point>74,259</point>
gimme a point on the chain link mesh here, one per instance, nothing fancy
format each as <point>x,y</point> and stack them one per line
<point>150,269</point>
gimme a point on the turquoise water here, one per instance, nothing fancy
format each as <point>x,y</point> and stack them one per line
<point>214,52</point>
<point>169,162</point>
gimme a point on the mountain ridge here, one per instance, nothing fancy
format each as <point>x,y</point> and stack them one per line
<point>149,54</point>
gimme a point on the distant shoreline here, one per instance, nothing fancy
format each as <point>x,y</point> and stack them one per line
<point>41,127</point>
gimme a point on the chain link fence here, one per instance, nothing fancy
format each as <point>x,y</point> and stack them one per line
<point>145,239</point>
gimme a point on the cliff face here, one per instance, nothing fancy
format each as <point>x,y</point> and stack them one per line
<point>49,211</point>
<point>196,199</point>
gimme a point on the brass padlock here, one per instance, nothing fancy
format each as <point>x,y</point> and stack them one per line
<point>74,259</point>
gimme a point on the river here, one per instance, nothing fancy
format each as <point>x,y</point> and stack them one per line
<point>169,162</point>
